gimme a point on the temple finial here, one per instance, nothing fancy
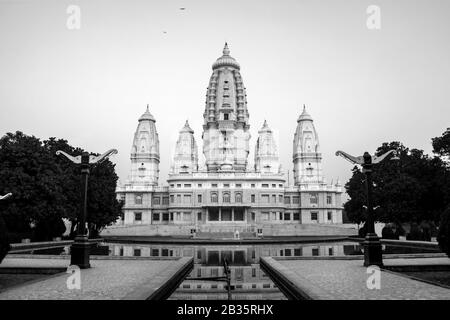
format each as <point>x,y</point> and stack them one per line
<point>186,127</point>
<point>226,50</point>
<point>147,108</point>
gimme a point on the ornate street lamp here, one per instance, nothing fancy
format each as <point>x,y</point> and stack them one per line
<point>372,245</point>
<point>6,196</point>
<point>79,251</point>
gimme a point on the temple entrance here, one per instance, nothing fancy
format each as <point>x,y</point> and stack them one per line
<point>226,214</point>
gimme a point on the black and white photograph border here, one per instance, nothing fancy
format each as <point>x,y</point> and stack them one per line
<point>169,150</point>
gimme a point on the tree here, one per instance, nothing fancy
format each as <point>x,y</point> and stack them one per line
<point>47,188</point>
<point>441,145</point>
<point>408,190</point>
<point>4,242</point>
<point>444,232</point>
<point>71,180</point>
<point>103,206</point>
<point>32,176</point>
<point>356,190</point>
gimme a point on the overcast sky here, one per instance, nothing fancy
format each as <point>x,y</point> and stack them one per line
<point>362,87</point>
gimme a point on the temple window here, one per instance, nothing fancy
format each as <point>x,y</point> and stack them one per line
<point>138,199</point>
<point>314,199</point>
<point>138,216</point>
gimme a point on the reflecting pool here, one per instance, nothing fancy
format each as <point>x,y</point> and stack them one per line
<point>248,281</point>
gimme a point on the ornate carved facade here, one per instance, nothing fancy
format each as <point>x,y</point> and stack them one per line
<point>227,195</point>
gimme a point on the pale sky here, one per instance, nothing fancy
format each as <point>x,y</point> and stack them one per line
<point>362,87</point>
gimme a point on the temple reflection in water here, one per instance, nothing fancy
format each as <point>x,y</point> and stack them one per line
<point>247,279</point>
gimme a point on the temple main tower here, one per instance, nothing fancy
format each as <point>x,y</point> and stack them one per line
<point>145,152</point>
<point>226,129</point>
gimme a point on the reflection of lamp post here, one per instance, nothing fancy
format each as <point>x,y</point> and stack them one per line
<point>79,251</point>
<point>372,245</point>
<point>226,278</point>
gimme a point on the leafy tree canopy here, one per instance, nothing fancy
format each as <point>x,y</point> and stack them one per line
<point>411,189</point>
<point>47,188</point>
<point>441,145</point>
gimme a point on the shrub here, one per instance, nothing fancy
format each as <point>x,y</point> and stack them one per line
<point>444,232</point>
<point>415,233</point>
<point>49,229</point>
<point>389,233</point>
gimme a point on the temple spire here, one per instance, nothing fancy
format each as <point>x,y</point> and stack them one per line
<point>306,152</point>
<point>266,153</point>
<point>145,151</point>
<point>185,159</point>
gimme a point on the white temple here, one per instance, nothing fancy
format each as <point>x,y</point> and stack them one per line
<point>227,195</point>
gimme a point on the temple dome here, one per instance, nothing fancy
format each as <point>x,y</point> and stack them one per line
<point>305,115</point>
<point>186,128</point>
<point>226,60</point>
<point>147,116</point>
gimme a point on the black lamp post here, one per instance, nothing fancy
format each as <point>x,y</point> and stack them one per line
<point>226,278</point>
<point>79,251</point>
<point>372,245</point>
<point>4,242</point>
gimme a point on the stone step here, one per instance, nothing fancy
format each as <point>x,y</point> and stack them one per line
<point>224,235</point>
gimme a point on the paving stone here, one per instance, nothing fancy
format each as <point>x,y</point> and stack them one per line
<point>347,279</point>
<point>106,279</point>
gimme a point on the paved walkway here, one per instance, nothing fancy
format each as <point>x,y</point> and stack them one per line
<point>417,262</point>
<point>106,279</point>
<point>347,280</point>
